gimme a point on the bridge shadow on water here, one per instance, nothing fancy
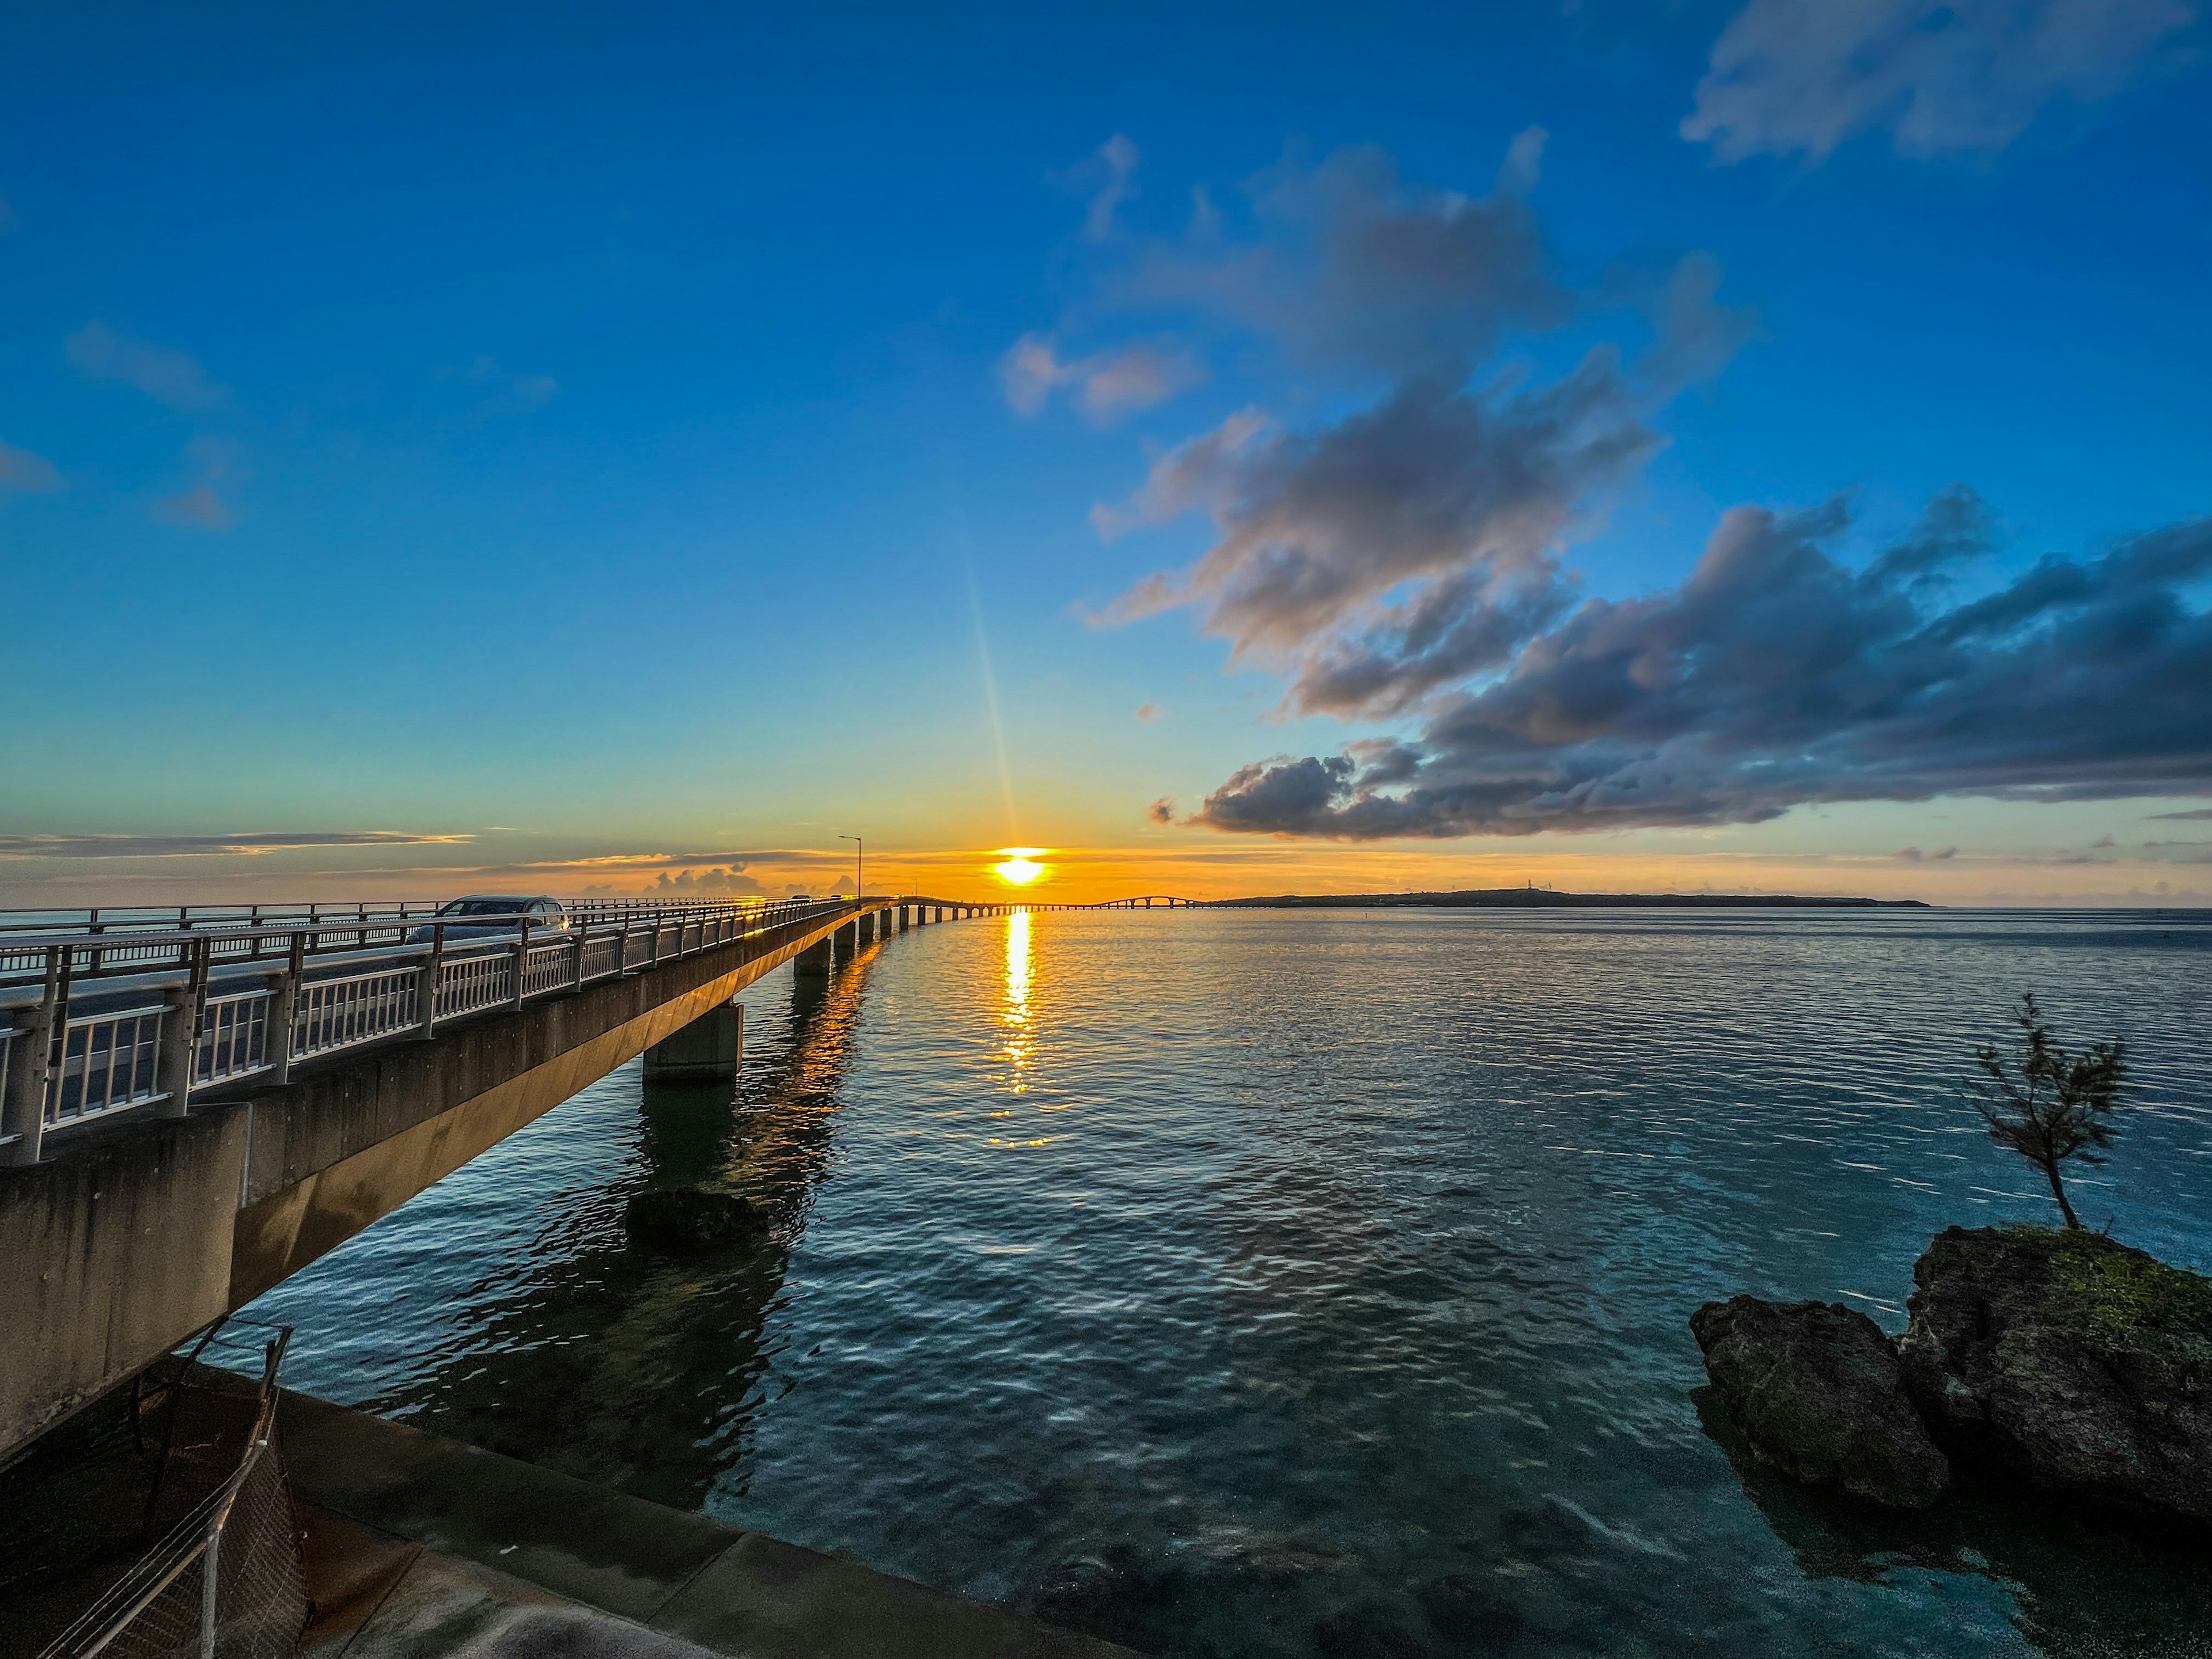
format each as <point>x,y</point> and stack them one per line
<point>637,1370</point>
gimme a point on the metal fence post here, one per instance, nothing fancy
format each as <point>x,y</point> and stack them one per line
<point>583,938</point>
<point>210,1566</point>
<point>30,1059</point>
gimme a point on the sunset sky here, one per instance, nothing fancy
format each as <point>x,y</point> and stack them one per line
<point>1235,449</point>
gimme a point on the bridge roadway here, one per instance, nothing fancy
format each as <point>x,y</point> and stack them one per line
<point>196,1104</point>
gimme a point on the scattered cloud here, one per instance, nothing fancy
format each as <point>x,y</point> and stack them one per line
<point>1696,335</point>
<point>1385,557</point>
<point>1777,675</point>
<point>1348,267</point>
<point>1108,176</point>
<point>175,377</point>
<point>2199,813</point>
<point>249,844</point>
<point>199,508</point>
<point>1106,385</point>
<point>1150,711</point>
<point>728,879</point>
<point>1162,811</point>
<point>1799,77</point>
<point>507,394</point>
<point>22,470</point>
<point>1469,490</point>
<point>1914,855</point>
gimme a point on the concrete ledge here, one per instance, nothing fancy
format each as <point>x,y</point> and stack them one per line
<point>670,1573</point>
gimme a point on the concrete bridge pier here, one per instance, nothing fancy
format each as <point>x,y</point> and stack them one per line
<point>712,1046</point>
<point>813,963</point>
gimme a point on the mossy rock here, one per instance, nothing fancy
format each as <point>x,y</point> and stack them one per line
<point>2125,1301</point>
<point>2073,1362</point>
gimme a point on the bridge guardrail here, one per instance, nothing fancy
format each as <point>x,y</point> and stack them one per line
<point>205,1005</point>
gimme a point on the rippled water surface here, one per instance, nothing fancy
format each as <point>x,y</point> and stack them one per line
<point>1269,1283</point>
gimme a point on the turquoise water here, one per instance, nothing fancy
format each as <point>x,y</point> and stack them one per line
<point>1270,1283</point>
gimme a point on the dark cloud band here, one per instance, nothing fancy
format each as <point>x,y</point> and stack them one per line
<point>1775,675</point>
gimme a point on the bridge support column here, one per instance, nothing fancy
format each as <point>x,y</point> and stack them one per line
<point>813,963</point>
<point>712,1046</point>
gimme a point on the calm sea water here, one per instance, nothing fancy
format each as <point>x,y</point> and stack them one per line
<point>1308,1284</point>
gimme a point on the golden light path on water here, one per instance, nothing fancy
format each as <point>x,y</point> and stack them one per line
<point>1021,1039</point>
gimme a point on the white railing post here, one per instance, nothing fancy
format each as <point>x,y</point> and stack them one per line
<point>521,962</point>
<point>180,1033</point>
<point>583,938</point>
<point>434,974</point>
<point>283,1009</point>
<point>30,1059</point>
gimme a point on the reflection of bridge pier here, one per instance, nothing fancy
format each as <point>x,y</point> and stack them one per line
<point>619,1365</point>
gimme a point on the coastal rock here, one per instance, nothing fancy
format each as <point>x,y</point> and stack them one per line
<point>2071,1362</point>
<point>691,1220</point>
<point>1817,1391</point>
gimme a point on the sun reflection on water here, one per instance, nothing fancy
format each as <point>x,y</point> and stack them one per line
<point>1021,1039</point>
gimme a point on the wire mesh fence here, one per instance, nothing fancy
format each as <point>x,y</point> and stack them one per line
<point>225,1581</point>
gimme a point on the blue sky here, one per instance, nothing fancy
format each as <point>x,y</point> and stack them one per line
<point>641,448</point>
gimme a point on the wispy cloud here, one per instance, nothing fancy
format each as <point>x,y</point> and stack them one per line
<point>201,506</point>
<point>507,394</point>
<point>1914,855</point>
<point>20,470</point>
<point>1799,77</point>
<point>175,378</point>
<point>1107,176</point>
<point>246,844</point>
<point>1105,384</point>
<point>198,508</point>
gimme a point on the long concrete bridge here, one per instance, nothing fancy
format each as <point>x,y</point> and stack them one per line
<point>196,1104</point>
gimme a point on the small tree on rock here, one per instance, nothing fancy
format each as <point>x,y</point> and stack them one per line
<point>2046,1104</point>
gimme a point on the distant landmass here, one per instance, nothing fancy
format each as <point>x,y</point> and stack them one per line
<point>1546,898</point>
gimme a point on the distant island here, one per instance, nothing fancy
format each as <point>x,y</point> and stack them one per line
<point>1546,898</point>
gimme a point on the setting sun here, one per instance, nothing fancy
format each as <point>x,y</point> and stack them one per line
<point>1019,867</point>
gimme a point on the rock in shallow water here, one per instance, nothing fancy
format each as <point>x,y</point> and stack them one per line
<point>2069,1361</point>
<point>691,1220</point>
<point>1817,1391</point>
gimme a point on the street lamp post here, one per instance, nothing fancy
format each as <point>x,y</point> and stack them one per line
<point>860,877</point>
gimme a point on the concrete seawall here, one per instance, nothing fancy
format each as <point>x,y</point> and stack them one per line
<point>419,1545</point>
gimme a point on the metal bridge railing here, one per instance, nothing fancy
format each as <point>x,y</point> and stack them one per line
<point>123,1019</point>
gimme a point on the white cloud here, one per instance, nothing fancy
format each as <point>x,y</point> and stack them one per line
<point>175,377</point>
<point>1801,76</point>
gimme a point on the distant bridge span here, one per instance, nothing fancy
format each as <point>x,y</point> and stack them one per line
<point>196,1104</point>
